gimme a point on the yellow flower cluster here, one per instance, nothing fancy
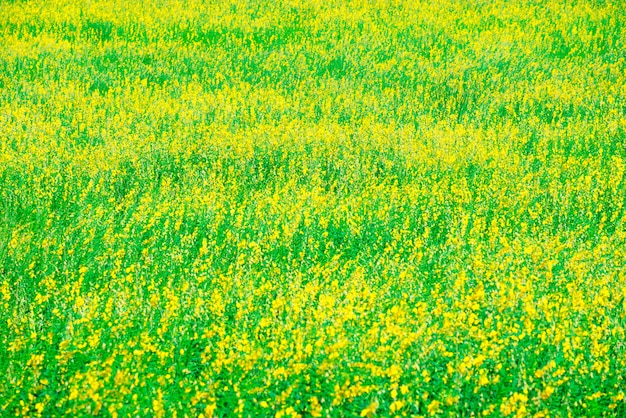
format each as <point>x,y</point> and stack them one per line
<point>312,208</point>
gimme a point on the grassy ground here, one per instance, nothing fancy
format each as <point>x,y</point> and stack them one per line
<point>316,208</point>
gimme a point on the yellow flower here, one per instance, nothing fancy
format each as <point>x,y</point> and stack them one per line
<point>434,407</point>
<point>370,410</point>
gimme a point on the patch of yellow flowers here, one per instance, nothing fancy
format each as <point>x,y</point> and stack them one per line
<point>322,208</point>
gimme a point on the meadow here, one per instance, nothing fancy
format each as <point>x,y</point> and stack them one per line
<point>313,208</point>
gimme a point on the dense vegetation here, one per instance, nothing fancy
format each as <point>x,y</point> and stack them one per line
<point>317,208</point>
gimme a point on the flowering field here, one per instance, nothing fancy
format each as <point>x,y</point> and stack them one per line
<point>313,208</point>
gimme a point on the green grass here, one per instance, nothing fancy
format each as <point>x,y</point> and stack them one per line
<point>346,209</point>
